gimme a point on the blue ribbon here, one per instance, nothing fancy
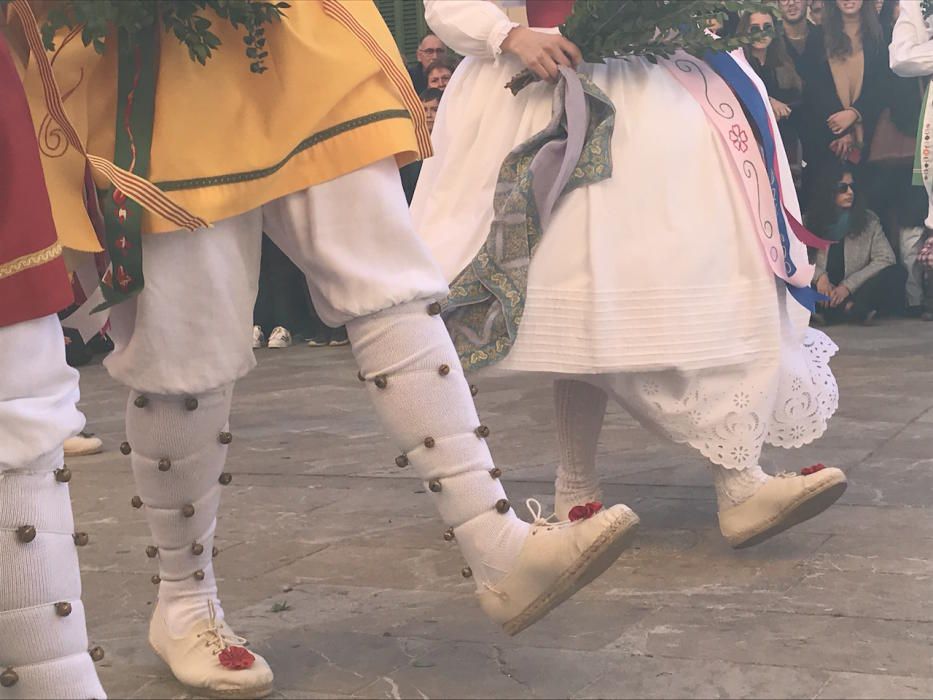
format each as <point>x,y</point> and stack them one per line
<point>747,93</point>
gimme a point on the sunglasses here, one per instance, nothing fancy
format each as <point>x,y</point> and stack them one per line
<point>843,187</point>
<point>766,27</point>
<point>433,52</point>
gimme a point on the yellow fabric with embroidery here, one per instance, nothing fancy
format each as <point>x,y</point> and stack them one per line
<point>225,140</point>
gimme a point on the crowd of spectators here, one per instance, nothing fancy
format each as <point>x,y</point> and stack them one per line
<point>849,126</point>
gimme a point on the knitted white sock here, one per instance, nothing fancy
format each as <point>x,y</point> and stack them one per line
<point>417,386</point>
<point>178,446</point>
<point>580,409</point>
<point>43,640</point>
<point>735,486</point>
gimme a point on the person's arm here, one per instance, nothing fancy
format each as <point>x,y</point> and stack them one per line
<point>469,27</point>
<point>911,50</point>
<point>881,255</point>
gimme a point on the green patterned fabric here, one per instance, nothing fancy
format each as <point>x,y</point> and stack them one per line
<point>487,299</point>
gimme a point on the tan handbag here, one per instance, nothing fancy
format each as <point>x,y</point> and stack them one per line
<point>888,145</point>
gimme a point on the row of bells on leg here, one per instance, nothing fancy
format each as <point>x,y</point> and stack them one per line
<point>191,403</point>
<point>224,438</point>
<point>10,677</point>
<point>27,533</point>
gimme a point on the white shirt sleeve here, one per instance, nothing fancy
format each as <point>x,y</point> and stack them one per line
<point>911,50</point>
<point>469,27</point>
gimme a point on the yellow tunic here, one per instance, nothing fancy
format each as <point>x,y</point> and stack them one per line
<point>336,97</point>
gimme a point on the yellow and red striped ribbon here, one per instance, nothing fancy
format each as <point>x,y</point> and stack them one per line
<point>139,189</point>
<point>398,77</point>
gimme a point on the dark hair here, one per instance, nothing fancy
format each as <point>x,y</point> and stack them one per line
<point>425,36</point>
<point>838,44</point>
<point>431,94</point>
<point>437,65</point>
<point>822,213</point>
<point>776,57</point>
<point>886,17</point>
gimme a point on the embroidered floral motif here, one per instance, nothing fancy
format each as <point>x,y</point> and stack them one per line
<point>236,658</point>
<point>739,138</point>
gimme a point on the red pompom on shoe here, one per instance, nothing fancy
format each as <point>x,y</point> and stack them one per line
<point>587,510</point>
<point>807,471</point>
<point>236,658</point>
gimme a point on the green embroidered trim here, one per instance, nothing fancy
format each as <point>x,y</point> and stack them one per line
<point>487,300</point>
<point>313,140</point>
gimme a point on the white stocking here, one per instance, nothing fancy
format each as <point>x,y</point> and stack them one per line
<point>735,486</point>
<point>418,388</point>
<point>178,446</point>
<point>580,409</point>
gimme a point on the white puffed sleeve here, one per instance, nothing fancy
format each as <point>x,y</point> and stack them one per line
<point>469,27</point>
<point>911,50</point>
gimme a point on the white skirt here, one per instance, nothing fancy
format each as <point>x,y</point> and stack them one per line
<point>652,282</point>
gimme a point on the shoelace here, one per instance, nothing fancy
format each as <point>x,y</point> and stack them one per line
<point>535,508</point>
<point>215,636</point>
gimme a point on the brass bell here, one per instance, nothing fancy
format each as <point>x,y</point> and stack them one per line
<point>401,461</point>
<point>156,579</point>
<point>9,678</point>
<point>214,552</point>
<point>381,381</point>
<point>26,533</point>
<point>429,442</point>
<point>165,464</point>
<point>97,654</point>
<point>434,308</point>
<point>125,448</point>
<point>443,370</point>
<point>141,401</point>
<point>466,572</point>
<point>136,502</point>
<point>187,510</point>
<point>152,551</point>
<point>482,431</point>
<point>198,575</point>
<point>63,475</point>
<point>197,549</point>
<point>225,438</point>
<point>435,485</point>
<point>449,534</point>
<point>473,390</point>
<point>191,403</point>
<point>359,375</point>
<point>503,505</point>
<point>81,539</point>
<point>225,478</point>
<point>63,609</point>
<point>495,472</point>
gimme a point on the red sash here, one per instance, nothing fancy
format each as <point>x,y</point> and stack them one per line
<point>548,13</point>
<point>33,279</point>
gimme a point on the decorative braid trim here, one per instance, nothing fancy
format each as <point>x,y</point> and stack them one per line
<point>26,262</point>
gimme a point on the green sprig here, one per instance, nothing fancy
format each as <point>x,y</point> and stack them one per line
<point>651,29</point>
<point>182,18</point>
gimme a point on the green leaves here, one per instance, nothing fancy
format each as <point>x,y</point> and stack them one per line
<point>652,29</point>
<point>181,18</point>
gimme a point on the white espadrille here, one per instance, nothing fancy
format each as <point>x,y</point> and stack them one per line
<point>780,503</point>
<point>557,560</point>
<point>211,659</point>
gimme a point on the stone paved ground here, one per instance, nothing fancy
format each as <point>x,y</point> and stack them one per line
<point>319,517</point>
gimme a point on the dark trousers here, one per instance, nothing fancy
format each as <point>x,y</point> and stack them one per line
<point>883,293</point>
<point>282,297</point>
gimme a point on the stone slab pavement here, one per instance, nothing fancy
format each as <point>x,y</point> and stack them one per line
<point>321,526</point>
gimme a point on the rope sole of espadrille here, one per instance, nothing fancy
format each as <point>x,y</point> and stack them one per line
<point>598,557</point>
<point>809,505</point>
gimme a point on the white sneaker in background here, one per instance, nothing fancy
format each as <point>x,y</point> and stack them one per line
<point>83,444</point>
<point>279,338</point>
<point>258,337</point>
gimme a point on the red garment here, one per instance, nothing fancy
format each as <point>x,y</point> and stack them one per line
<point>33,279</point>
<point>548,13</point>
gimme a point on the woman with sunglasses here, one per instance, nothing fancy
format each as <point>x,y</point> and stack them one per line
<point>771,61</point>
<point>859,274</point>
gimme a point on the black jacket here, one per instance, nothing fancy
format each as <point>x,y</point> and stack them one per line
<point>820,98</point>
